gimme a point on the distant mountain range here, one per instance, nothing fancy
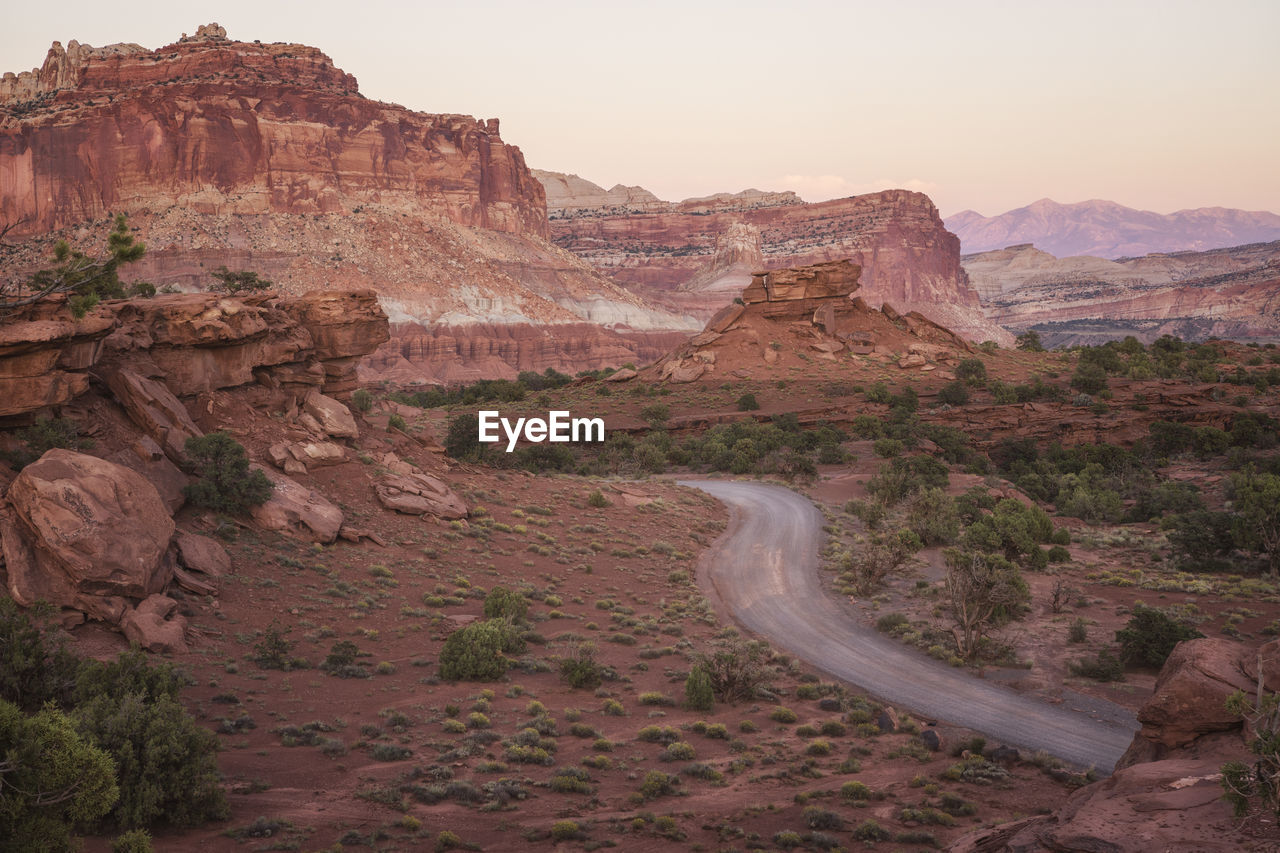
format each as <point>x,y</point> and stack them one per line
<point>1108,230</point>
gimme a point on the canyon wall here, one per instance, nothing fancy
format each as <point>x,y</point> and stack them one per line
<point>693,255</point>
<point>266,157</point>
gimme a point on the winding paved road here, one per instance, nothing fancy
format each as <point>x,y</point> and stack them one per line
<point>764,572</point>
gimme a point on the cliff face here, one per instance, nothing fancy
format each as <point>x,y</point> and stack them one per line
<point>265,157</point>
<point>679,257</point>
<point>222,126</point>
<point>1226,292</point>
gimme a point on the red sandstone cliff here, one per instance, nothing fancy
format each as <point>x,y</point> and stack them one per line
<point>679,256</point>
<point>266,157</point>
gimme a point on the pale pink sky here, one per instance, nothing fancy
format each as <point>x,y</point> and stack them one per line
<point>984,105</point>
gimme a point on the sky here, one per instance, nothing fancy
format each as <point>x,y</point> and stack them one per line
<point>981,104</point>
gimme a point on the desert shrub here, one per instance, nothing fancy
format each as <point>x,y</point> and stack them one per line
<point>462,438</point>
<point>597,499</point>
<point>699,694</point>
<point>933,516</point>
<point>35,665</point>
<point>54,777</point>
<point>225,482</point>
<point>503,603</point>
<point>238,281</point>
<point>954,394</point>
<point>133,841</point>
<point>656,415</point>
<point>678,751</point>
<point>657,784</point>
<point>736,668</point>
<point>478,651</point>
<point>902,477</point>
<point>580,669</point>
<point>1150,635</point>
<point>1105,667</point>
<point>869,830</point>
<point>1013,529</point>
<point>1029,341</point>
<point>275,650</point>
<point>42,436</point>
<point>786,716</point>
<point>342,662</point>
<point>361,400</point>
<point>1259,784</point>
<point>1078,632</point>
<point>1200,539</point>
<point>164,761</point>
<point>971,371</point>
<point>747,403</point>
<point>1089,378</point>
<point>566,830</point>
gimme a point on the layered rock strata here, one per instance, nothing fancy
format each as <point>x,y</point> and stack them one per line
<point>1230,293</point>
<point>266,157</point>
<point>683,256</point>
<point>786,317</point>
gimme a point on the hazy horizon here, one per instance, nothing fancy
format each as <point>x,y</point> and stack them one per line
<point>986,106</point>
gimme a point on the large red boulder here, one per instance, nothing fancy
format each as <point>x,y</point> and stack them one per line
<point>83,527</point>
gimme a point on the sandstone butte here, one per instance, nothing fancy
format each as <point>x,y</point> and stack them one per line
<point>695,255</point>
<point>266,157</point>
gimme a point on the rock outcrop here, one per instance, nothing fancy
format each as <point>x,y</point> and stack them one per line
<point>1232,293</point>
<point>1189,702</point>
<point>149,351</point>
<point>85,533</point>
<point>786,317</point>
<point>677,256</point>
<point>296,510</point>
<point>1166,792</point>
<point>408,490</point>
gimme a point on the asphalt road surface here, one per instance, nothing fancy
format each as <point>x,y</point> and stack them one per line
<point>764,572</point>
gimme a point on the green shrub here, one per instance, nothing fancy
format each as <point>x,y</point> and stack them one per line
<point>133,841</point>
<point>785,716</point>
<point>597,499</point>
<point>478,651</point>
<point>1150,635</point>
<point>658,784</point>
<point>699,695</point>
<point>954,394</point>
<point>747,403</point>
<point>869,830</point>
<point>1105,667</point>
<point>238,281</point>
<point>54,777</point>
<point>503,603</point>
<point>225,482</point>
<point>580,669</point>
<point>971,371</point>
<point>361,400</point>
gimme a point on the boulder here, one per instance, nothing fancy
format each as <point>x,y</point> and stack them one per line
<point>153,407</point>
<point>623,375</point>
<point>1189,699</point>
<point>92,527</point>
<point>301,456</point>
<point>416,493</point>
<point>932,739</point>
<point>297,510</point>
<point>155,625</point>
<point>334,418</point>
<point>147,458</point>
<point>888,720</point>
<point>202,554</point>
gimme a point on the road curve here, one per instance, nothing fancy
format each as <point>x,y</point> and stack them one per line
<point>764,572</point>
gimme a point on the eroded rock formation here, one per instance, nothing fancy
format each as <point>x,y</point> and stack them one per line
<point>265,157</point>
<point>193,342</point>
<point>676,256</point>
<point>789,316</point>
